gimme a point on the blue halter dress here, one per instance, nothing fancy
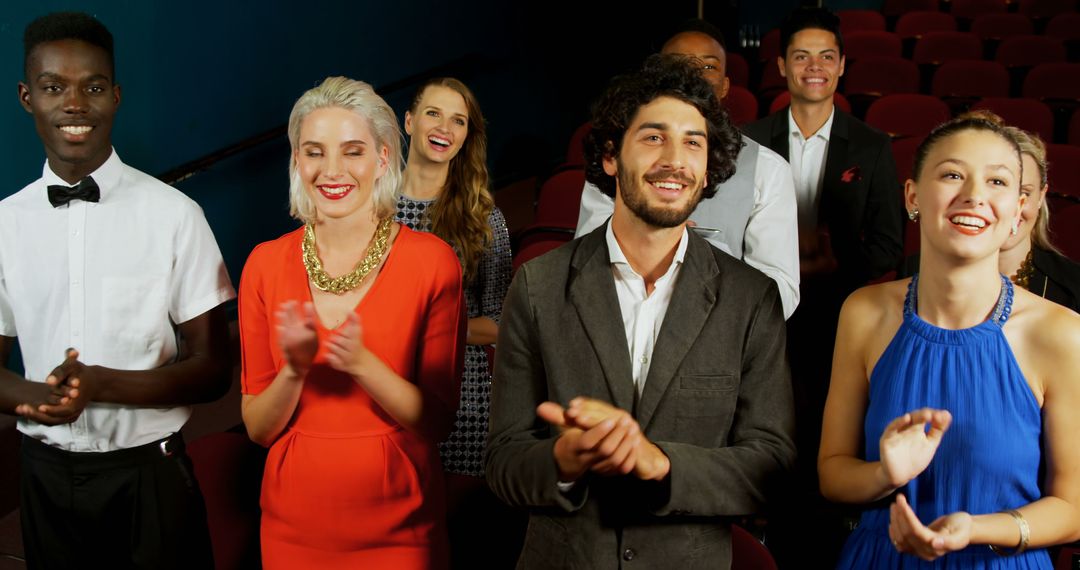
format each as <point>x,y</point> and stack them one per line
<point>988,460</point>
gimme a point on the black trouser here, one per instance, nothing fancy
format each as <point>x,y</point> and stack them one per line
<point>132,508</point>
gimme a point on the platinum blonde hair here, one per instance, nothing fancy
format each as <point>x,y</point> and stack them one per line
<point>360,98</point>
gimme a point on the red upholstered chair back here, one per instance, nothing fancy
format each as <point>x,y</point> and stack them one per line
<point>907,115</point>
<point>1063,171</point>
<point>1029,50</point>
<point>229,469</point>
<point>918,24</point>
<point>738,71</point>
<point>970,79</point>
<point>560,198</point>
<point>741,104</point>
<point>1001,26</point>
<point>575,149</point>
<point>1031,115</point>
<point>935,48</point>
<point>747,553</point>
<point>536,249</point>
<point>860,21</point>
<point>876,43</point>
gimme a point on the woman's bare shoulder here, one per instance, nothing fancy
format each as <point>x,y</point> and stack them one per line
<point>1049,330</point>
<point>873,303</point>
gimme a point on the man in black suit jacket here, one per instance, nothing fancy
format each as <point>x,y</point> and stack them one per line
<point>641,394</point>
<point>859,218</point>
<point>850,232</point>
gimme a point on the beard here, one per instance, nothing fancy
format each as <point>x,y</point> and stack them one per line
<point>635,196</point>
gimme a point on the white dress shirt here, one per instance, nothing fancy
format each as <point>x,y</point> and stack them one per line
<point>642,312</point>
<point>770,239</point>
<point>109,279</point>
<point>807,155</point>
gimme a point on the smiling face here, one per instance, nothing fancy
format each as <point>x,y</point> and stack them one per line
<point>967,194</point>
<point>707,53</point>
<point>440,125</point>
<point>70,93</point>
<point>812,65</point>
<point>338,161</point>
<point>660,170</point>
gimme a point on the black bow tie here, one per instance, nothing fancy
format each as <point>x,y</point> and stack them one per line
<point>86,190</point>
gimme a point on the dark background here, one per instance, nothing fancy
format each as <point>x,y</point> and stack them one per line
<point>200,76</point>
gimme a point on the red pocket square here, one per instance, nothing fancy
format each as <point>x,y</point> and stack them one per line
<point>851,175</point>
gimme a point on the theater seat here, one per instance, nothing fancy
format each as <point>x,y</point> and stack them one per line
<point>741,104</point>
<point>747,553</point>
<point>907,115</point>
<point>229,468</point>
<point>1031,115</point>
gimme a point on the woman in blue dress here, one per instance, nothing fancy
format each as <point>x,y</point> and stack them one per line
<point>961,385</point>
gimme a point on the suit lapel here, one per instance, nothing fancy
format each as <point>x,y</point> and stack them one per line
<point>592,292</point>
<point>780,136</point>
<point>691,303</point>
<point>835,164</point>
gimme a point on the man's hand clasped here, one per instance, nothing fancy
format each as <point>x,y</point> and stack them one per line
<point>603,439</point>
<point>64,395</point>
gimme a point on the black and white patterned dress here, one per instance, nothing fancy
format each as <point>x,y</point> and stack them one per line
<point>463,450</point>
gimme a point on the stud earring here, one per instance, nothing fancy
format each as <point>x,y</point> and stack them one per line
<point>1015,228</point>
<point>913,215</point>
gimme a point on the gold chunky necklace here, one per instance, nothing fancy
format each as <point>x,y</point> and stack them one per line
<point>1025,273</point>
<point>352,279</point>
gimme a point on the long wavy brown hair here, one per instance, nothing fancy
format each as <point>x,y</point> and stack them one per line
<point>460,215</point>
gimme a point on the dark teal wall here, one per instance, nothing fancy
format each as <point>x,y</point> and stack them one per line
<point>201,75</point>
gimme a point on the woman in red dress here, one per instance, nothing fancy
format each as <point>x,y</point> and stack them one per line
<point>352,331</point>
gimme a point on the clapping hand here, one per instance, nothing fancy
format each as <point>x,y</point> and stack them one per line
<point>297,336</point>
<point>907,446</point>
<point>599,437</point>
<point>66,395</point>
<point>345,347</point>
<point>946,534</point>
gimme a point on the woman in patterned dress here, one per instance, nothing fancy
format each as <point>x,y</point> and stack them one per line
<point>444,190</point>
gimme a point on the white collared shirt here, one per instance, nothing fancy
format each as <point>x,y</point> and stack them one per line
<point>642,313</point>
<point>109,279</point>
<point>807,158</point>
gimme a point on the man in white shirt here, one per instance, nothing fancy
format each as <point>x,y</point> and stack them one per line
<point>100,266</point>
<point>752,215</point>
<point>641,394</point>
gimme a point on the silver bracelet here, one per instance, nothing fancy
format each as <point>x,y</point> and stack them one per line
<point>1025,535</point>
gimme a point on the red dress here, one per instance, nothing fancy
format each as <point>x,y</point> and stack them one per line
<point>345,485</point>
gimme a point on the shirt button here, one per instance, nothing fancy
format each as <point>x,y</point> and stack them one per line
<point>644,359</point>
<point>75,233</point>
<point>628,554</point>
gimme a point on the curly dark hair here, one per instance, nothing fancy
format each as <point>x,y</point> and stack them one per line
<point>807,18</point>
<point>662,76</point>
<point>67,26</point>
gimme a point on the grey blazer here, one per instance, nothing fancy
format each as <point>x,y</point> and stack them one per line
<point>717,401</point>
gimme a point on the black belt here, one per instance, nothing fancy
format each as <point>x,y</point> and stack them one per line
<point>162,448</point>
